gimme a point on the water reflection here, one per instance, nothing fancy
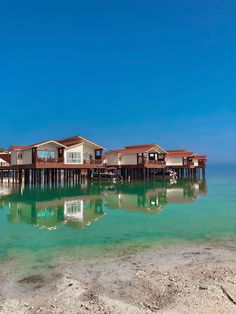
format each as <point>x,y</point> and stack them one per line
<point>81,205</point>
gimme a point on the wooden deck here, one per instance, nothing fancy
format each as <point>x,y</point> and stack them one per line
<point>39,164</point>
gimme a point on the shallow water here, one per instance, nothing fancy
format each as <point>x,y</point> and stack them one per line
<point>41,224</point>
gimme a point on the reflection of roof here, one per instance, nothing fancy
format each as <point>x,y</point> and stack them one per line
<point>180,199</point>
<point>137,149</point>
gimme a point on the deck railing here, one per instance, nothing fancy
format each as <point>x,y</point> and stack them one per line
<point>202,163</point>
<point>49,160</point>
<point>93,161</point>
<point>190,164</point>
<point>70,161</point>
<point>155,162</point>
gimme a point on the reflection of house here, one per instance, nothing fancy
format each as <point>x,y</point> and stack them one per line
<point>48,214</point>
<point>177,195</point>
<point>46,207</point>
<point>5,189</point>
<point>186,193</point>
<point>156,196</point>
<point>74,209</point>
<point>154,201</point>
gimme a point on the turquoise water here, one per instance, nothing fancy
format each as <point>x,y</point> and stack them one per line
<point>44,223</point>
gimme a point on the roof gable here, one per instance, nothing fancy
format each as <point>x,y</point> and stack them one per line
<point>36,145</point>
<point>135,149</point>
<point>75,140</point>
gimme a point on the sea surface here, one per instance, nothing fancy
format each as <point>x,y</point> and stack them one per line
<point>41,224</point>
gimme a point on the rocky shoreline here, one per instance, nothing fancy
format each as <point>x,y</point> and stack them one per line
<point>200,278</point>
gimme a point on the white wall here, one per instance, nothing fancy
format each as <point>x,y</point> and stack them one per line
<point>174,161</point>
<point>89,149</point>
<point>85,149</point>
<point>174,194</point>
<point>195,162</point>
<point>76,149</point>
<point>51,147</point>
<point>26,157</point>
<point>128,159</point>
<point>122,159</point>
<point>112,159</point>
<point>13,157</point>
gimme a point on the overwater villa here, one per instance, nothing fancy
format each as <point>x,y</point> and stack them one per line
<point>50,160</point>
<point>149,160</point>
<point>67,153</point>
<point>76,157</point>
<point>147,155</point>
<point>184,158</point>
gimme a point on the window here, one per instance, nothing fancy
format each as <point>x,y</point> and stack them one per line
<point>151,156</point>
<point>73,157</point>
<point>161,157</point>
<point>98,153</point>
<point>44,154</point>
<point>19,156</point>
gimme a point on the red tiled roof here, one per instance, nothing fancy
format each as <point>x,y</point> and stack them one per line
<point>115,151</point>
<point>74,140</point>
<point>180,153</point>
<point>184,153</point>
<point>133,149</point>
<point>16,147</point>
<point>67,142</point>
<point>138,149</point>
<point>140,146</point>
<point>32,145</point>
<point>177,150</point>
<point>70,141</point>
<point>6,157</point>
<point>200,157</point>
<point>36,144</point>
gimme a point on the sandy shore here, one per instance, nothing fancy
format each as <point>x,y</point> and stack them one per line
<point>196,279</point>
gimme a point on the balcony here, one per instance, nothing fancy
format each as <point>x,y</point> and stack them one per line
<point>68,163</point>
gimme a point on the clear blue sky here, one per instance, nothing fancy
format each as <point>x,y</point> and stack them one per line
<point>120,72</point>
